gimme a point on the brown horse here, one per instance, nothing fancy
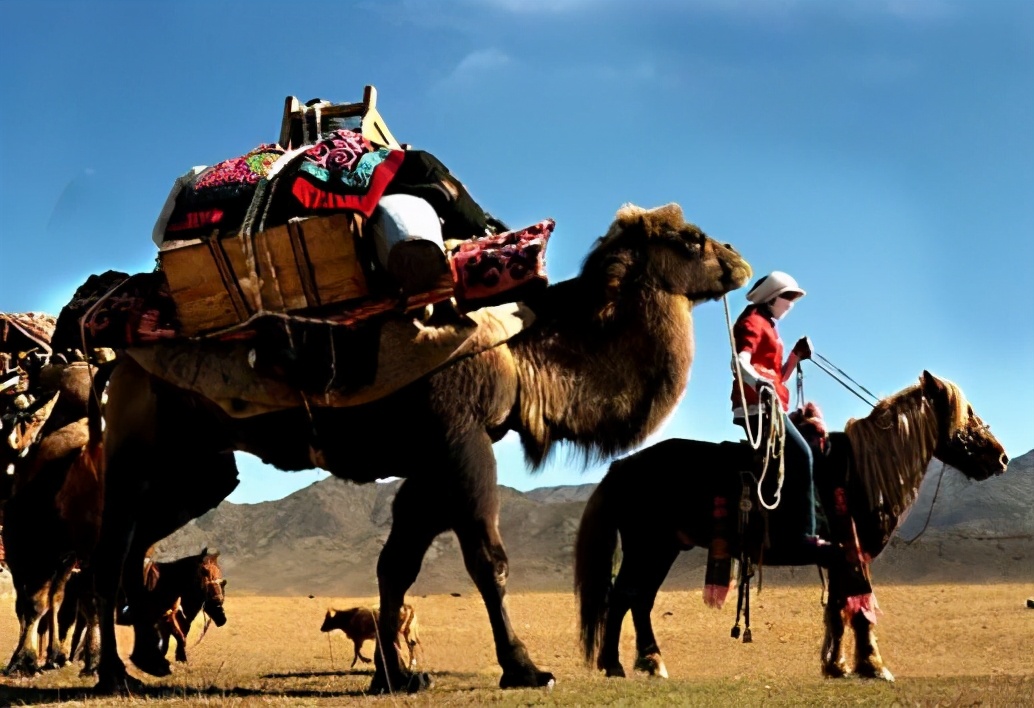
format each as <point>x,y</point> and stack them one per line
<point>177,592</point>
<point>52,519</point>
<point>604,363</point>
<point>661,501</point>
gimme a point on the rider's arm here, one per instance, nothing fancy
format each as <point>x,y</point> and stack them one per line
<point>788,367</point>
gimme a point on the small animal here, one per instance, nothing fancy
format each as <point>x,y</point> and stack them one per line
<point>360,624</point>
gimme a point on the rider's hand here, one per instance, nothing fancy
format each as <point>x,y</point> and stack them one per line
<point>802,349</point>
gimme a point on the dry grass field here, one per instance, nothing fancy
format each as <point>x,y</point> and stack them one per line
<point>947,645</point>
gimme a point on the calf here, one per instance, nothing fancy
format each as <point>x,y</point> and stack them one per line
<point>360,624</point>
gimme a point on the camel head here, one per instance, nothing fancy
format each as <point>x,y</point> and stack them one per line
<point>657,248</point>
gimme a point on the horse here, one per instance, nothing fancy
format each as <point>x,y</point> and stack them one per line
<point>662,501</point>
<point>177,591</point>
<point>52,518</point>
<point>604,363</point>
<point>360,624</point>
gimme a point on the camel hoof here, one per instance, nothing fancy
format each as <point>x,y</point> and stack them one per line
<point>120,683</point>
<point>529,678</point>
<point>154,665</point>
<point>408,682</point>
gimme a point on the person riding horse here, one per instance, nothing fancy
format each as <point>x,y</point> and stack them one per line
<point>760,401</point>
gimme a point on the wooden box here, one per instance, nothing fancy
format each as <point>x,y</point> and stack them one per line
<point>220,282</point>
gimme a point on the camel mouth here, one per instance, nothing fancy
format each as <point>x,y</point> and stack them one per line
<point>740,275</point>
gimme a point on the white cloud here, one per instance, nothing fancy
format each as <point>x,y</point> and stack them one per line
<point>476,66</point>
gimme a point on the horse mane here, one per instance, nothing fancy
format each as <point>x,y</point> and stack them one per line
<point>894,444</point>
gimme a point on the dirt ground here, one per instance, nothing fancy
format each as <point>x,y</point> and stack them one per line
<point>946,644</point>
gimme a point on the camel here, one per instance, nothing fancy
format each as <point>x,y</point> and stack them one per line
<point>604,363</point>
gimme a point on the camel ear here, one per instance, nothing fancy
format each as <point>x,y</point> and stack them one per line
<point>669,215</point>
<point>931,384</point>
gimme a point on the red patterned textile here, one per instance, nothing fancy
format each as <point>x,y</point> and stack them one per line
<point>485,267</point>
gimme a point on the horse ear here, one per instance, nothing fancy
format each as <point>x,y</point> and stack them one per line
<point>931,384</point>
<point>204,551</point>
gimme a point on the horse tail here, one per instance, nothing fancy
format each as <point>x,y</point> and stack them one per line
<point>594,564</point>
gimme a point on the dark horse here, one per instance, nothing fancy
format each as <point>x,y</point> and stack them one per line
<point>660,500</point>
<point>177,591</point>
<point>604,363</point>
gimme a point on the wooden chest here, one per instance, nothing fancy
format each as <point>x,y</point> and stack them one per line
<point>308,262</point>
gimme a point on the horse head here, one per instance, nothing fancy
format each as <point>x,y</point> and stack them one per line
<point>964,441</point>
<point>213,584</point>
<point>659,248</point>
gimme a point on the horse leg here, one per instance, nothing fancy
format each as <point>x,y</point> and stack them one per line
<point>30,606</point>
<point>57,646</point>
<point>653,568</point>
<point>834,663</point>
<point>868,662</point>
<point>417,517</point>
<point>619,604</point>
<point>477,526</point>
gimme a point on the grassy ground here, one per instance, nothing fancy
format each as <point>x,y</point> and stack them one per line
<point>947,645</point>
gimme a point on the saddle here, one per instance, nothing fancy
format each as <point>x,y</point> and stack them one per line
<point>746,536</point>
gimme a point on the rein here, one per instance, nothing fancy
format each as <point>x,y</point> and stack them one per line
<point>929,514</point>
<point>823,367</point>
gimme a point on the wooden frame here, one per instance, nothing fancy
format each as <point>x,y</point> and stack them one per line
<point>302,124</point>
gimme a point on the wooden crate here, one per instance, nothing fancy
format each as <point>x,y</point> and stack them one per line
<point>308,262</point>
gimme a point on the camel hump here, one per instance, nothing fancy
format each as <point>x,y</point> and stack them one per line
<point>250,378</point>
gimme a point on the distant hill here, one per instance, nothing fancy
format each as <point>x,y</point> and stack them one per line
<point>325,539</point>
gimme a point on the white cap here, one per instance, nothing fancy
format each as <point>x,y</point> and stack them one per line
<point>772,286</point>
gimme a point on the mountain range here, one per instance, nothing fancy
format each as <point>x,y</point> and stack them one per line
<point>325,538</point>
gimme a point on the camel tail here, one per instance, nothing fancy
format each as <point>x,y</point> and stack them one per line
<point>594,564</point>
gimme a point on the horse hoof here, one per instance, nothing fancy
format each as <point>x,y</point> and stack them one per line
<point>652,664</point>
<point>531,678</point>
<point>835,671</point>
<point>24,666</point>
<point>157,666</point>
<point>875,672</point>
<point>617,671</point>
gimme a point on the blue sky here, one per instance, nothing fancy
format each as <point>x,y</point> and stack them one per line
<point>881,151</point>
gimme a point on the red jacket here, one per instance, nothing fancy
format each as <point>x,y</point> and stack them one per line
<point>756,333</point>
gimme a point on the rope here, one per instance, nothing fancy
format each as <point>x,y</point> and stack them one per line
<point>929,514</point>
<point>776,440</point>
<point>756,444</point>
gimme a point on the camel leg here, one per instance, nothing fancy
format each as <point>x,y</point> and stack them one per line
<point>868,662</point>
<point>834,663</point>
<point>477,526</point>
<point>417,517</point>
